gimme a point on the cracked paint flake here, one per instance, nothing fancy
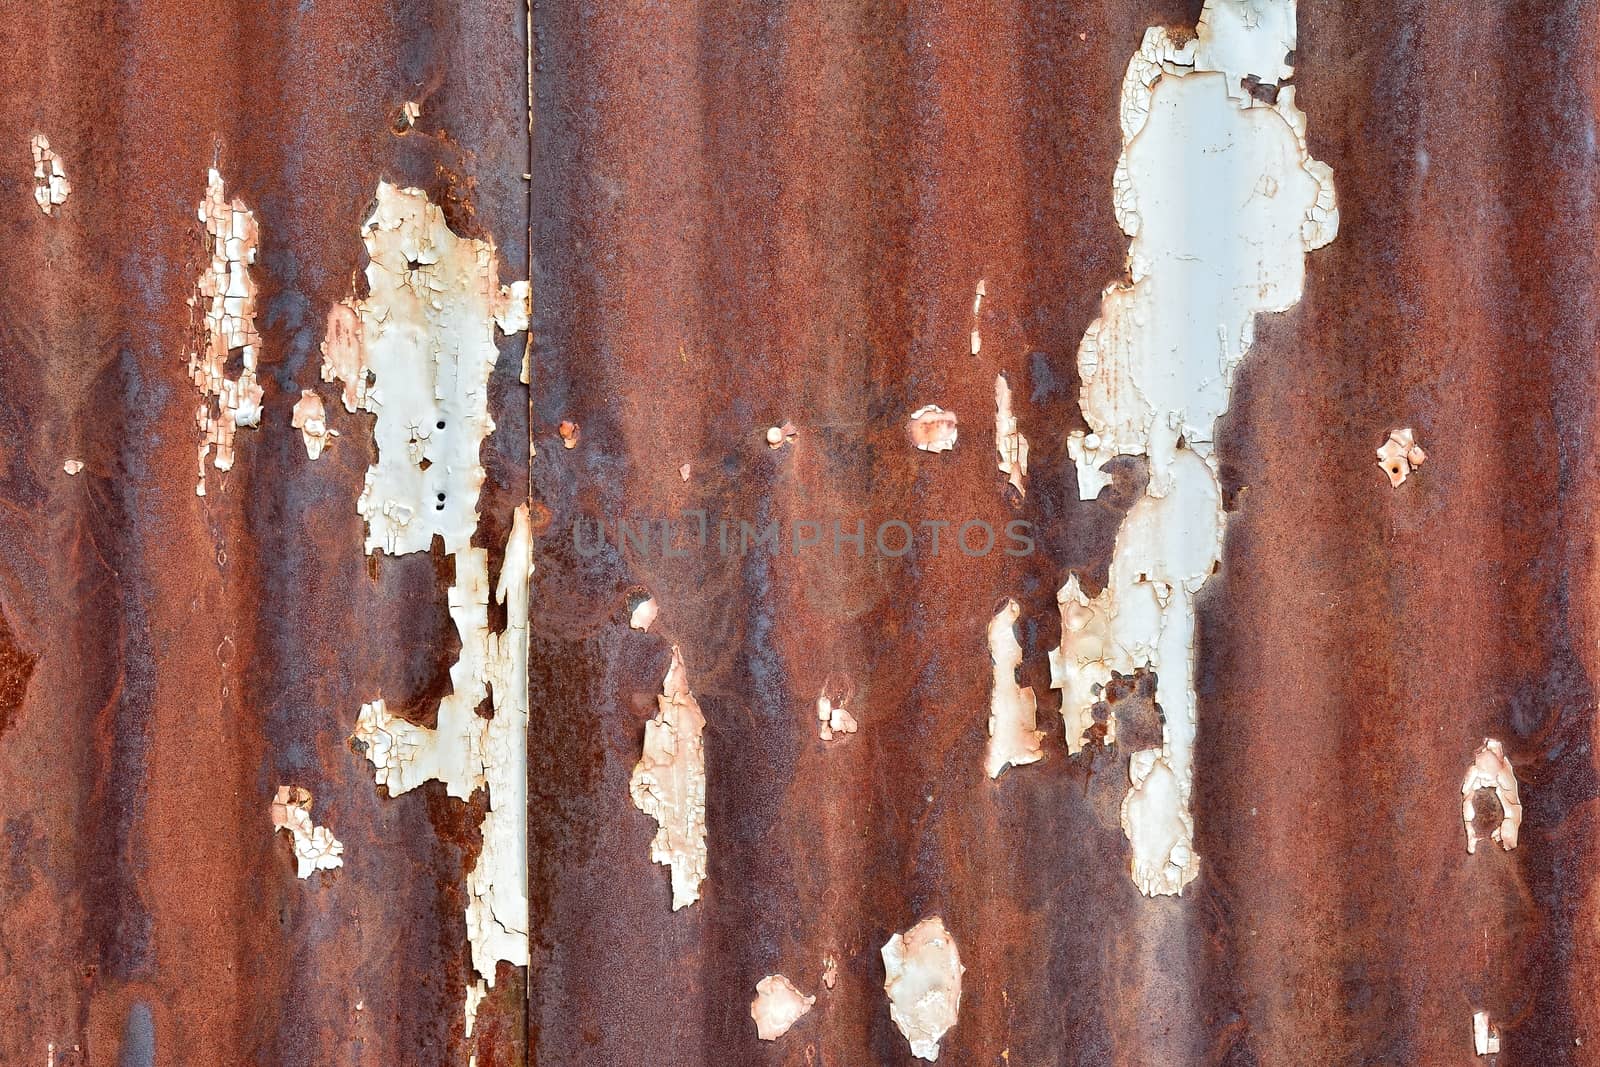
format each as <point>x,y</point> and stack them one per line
<point>225,296</point>
<point>315,847</point>
<point>417,352</point>
<point>1008,440</point>
<point>833,720</point>
<point>312,421</point>
<point>922,976</point>
<point>569,433</point>
<point>669,784</point>
<point>1492,770</point>
<point>1485,1035</point>
<point>777,1006</point>
<point>932,428</point>
<point>1013,737</point>
<point>1079,667</point>
<point>1399,455</point>
<point>50,187</point>
<point>1157,367</point>
<point>72,466</point>
<point>830,971</point>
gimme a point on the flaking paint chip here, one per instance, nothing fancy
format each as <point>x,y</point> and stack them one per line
<point>72,466</point>
<point>684,471</point>
<point>833,720</point>
<point>1013,737</point>
<point>777,1006</point>
<point>1400,455</point>
<point>778,436</point>
<point>922,976</point>
<point>50,178</point>
<point>643,613</point>
<point>669,784</point>
<point>932,428</point>
<point>1008,440</point>
<point>1485,1035</point>
<point>569,433</point>
<point>315,847</point>
<point>225,298</point>
<point>1492,770</point>
<point>311,420</point>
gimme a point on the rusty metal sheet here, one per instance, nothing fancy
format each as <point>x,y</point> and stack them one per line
<point>738,217</point>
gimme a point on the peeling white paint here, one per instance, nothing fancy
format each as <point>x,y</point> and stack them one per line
<point>50,187</point>
<point>1485,1035</point>
<point>225,296</point>
<point>923,972</point>
<point>1492,770</point>
<point>1008,440</point>
<point>669,784</point>
<point>830,971</point>
<point>1399,455</point>
<point>417,352</point>
<point>569,433</point>
<point>312,421</point>
<point>1013,737</point>
<point>1222,202</point>
<point>72,466</point>
<point>932,428</point>
<point>315,847</point>
<point>777,1006</point>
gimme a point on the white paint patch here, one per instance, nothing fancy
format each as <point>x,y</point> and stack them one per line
<point>1013,737</point>
<point>1485,1035</point>
<point>417,353</point>
<point>778,1005</point>
<point>50,186</point>
<point>225,294</point>
<point>1222,202</point>
<point>932,429</point>
<point>923,979</point>
<point>1399,455</point>
<point>1492,770</point>
<point>669,784</point>
<point>1008,440</point>
<point>312,421</point>
<point>72,466</point>
<point>830,971</point>
<point>315,847</point>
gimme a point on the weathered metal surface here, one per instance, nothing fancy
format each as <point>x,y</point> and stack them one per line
<point>742,215</point>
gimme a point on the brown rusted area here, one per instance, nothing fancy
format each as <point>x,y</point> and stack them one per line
<point>744,215</point>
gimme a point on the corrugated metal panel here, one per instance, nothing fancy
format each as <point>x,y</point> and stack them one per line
<point>741,215</point>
